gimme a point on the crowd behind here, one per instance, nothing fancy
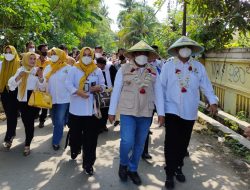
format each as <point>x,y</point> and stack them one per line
<point>140,82</point>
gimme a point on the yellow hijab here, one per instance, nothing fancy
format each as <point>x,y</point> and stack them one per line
<point>87,69</point>
<point>9,68</point>
<point>25,62</point>
<point>61,62</point>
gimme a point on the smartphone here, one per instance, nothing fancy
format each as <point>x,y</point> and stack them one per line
<point>93,83</point>
<point>86,87</point>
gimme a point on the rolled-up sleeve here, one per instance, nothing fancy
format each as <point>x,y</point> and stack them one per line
<point>116,93</point>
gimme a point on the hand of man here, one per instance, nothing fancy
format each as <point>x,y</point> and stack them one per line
<point>161,120</point>
<point>213,109</point>
<point>96,88</point>
<point>247,132</point>
<point>82,94</point>
<point>111,118</point>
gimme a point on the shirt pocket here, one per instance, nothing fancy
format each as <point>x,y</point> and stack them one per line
<point>127,99</point>
<point>194,81</point>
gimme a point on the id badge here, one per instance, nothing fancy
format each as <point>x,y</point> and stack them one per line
<point>86,87</point>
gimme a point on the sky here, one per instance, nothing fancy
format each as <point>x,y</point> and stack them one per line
<point>114,9</point>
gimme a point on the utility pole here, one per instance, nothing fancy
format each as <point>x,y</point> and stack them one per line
<point>184,22</point>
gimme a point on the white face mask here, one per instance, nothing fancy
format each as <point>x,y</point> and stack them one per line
<point>32,50</point>
<point>97,55</point>
<point>9,56</point>
<point>185,52</point>
<point>141,59</point>
<point>54,58</point>
<point>86,60</point>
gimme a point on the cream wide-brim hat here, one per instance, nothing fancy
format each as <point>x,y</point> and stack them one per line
<point>142,46</point>
<point>185,42</point>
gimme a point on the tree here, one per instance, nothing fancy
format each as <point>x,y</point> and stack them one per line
<point>71,22</point>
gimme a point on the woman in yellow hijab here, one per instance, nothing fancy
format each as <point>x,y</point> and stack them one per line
<point>8,68</point>
<point>27,78</point>
<point>84,79</point>
<point>56,74</point>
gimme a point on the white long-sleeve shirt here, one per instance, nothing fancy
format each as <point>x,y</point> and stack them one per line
<point>185,104</point>
<point>32,83</point>
<point>80,106</point>
<point>56,85</point>
<point>115,97</point>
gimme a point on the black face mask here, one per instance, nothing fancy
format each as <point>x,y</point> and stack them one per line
<point>121,57</point>
<point>44,54</point>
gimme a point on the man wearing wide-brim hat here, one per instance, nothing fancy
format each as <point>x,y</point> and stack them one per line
<point>137,88</point>
<point>182,78</point>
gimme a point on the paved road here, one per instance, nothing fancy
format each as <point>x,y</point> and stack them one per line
<point>49,170</point>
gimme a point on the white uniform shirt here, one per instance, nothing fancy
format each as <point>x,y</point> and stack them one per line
<point>185,104</point>
<point>80,106</point>
<point>115,97</point>
<point>32,83</point>
<point>56,85</point>
<point>107,74</point>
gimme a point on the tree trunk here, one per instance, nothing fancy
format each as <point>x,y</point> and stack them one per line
<point>184,22</point>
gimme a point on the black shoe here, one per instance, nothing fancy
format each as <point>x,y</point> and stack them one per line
<point>73,155</point>
<point>41,125</point>
<point>187,154</point>
<point>150,132</point>
<point>169,183</point>
<point>146,156</point>
<point>134,177</point>
<point>123,173</point>
<point>116,123</point>
<point>89,170</point>
<point>56,147</point>
<point>179,175</point>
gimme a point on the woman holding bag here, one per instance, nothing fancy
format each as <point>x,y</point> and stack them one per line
<point>83,80</point>
<point>27,78</point>
<point>56,74</point>
<point>8,68</point>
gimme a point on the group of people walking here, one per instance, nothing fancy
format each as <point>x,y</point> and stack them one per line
<point>141,84</point>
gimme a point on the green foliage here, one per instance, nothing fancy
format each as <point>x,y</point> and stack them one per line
<point>232,125</point>
<point>242,115</point>
<point>237,148</point>
<point>54,22</point>
<point>222,19</point>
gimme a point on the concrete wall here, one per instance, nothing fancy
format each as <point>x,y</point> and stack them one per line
<point>229,71</point>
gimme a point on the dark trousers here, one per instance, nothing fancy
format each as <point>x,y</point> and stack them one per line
<point>84,131</point>
<point>28,115</point>
<point>103,120</point>
<point>177,137</point>
<point>43,115</point>
<point>10,106</point>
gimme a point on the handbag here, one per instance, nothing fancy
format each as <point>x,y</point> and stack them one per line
<point>101,100</point>
<point>40,99</point>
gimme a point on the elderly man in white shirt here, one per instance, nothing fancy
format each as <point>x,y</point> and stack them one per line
<point>182,78</point>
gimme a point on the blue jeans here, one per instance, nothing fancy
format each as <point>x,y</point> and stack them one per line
<point>59,116</point>
<point>134,131</point>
